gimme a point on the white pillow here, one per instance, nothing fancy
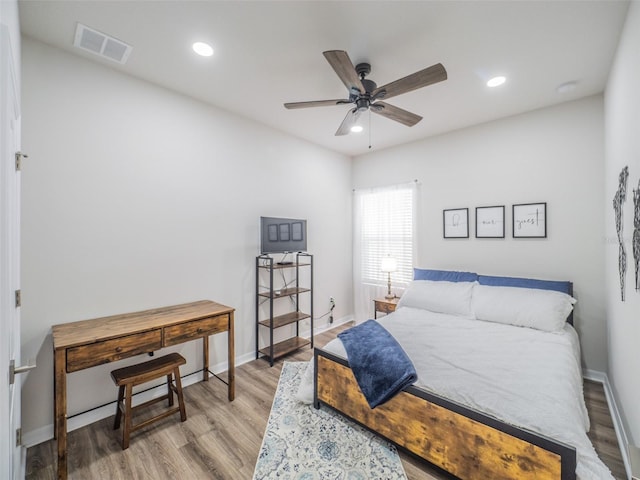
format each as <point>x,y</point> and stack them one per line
<point>524,307</point>
<point>453,298</point>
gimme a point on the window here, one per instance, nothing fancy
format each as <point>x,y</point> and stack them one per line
<point>385,226</point>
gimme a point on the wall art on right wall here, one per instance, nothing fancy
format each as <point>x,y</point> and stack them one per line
<point>636,233</point>
<point>530,220</point>
<point>619,198</point>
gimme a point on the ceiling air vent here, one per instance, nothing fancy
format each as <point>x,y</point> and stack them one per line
<point>100,44</point>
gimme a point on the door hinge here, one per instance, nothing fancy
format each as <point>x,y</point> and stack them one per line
<point>18,437</point>
<point>19,157</point>
<point>18,298</point>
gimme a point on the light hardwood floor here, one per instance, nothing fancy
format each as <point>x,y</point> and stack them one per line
<point>221,440</point>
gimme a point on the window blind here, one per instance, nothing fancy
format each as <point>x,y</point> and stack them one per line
<point>386,228</point>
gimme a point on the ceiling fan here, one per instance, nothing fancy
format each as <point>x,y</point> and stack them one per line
<point>366,95</point>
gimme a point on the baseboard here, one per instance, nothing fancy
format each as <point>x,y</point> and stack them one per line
<point>42,434</point>
<point>23,463</point>
<point>618,426</point>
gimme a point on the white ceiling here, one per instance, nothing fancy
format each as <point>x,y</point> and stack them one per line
<point>270,52</point>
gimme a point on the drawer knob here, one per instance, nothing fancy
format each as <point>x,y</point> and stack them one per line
<point>118,349</point>
<point>200,330</point>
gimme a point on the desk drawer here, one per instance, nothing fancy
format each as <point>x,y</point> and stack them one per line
<point>195,329</point>
<point>107,351</point>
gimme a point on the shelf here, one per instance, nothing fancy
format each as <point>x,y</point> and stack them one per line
<point>277,266</point>
<point>287,346</point>
<point>285,292</point>
<point>286,319</point>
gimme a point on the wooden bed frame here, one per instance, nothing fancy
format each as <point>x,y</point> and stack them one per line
<point>466,443</point>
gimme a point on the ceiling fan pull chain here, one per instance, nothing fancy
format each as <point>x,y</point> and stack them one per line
<point>369,129</point>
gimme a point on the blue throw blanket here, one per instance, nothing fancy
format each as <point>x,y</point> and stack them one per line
<point>380,365</point>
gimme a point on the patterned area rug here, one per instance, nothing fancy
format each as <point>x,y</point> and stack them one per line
<point>302,443</point>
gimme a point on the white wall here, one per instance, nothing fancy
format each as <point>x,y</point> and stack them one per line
<point>9,18</point>
<point>622,126</point>
<point>552,155</point>
<point>135,197</point>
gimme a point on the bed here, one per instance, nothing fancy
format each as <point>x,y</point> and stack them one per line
<point>499,390</point>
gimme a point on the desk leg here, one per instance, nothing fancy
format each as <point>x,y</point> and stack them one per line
<point>60,405</point>
<point>232,365</point>
<point>205,356</point>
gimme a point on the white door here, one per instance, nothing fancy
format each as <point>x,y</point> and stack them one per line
<point>10,452</point>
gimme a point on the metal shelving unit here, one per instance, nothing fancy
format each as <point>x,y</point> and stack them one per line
<point>265,269</point>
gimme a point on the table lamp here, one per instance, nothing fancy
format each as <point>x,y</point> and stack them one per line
<point>388,265</point>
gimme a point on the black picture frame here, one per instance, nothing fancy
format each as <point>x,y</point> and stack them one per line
<point>490,222</point>
<point>529,220</point>
<point>455,223</point>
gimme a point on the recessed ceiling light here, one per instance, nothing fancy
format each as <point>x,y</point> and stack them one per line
<point>203,49</point>
<point>496,81</point>
<point>356,129</point>
<point>567,87</point>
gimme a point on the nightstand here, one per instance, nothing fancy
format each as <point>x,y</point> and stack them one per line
<point>384,305</point>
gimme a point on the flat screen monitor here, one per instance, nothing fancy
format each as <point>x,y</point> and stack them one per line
<point>283,235</point>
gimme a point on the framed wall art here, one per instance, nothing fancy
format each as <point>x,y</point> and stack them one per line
<point>455,223</point>
<point>490,222</point>
<point>530,220</point>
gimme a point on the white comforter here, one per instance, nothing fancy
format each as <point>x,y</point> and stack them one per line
<point>525,377</point>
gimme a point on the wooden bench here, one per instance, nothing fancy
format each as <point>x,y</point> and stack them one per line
<point>128,377</point>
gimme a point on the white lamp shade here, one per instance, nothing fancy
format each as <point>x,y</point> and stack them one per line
<point>388,264</point>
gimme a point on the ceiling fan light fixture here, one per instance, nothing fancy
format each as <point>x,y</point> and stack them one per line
<point>357,128</point>
<point>496,81</point>
<point>202,49</point>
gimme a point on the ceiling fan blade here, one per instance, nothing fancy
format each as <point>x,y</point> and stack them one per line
<point>394,113</point>
<point>342,65</point>
<point>349,121</point>
<point>430,75</point>
<point>315,103</point>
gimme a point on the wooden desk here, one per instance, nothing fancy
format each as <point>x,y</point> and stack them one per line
<point>85,344</point>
